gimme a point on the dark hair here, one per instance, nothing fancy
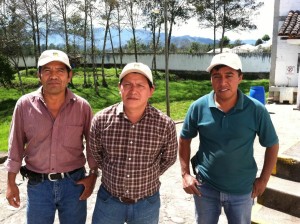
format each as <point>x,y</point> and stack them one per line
<point>217,67</point>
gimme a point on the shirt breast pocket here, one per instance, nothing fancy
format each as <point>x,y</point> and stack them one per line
<point>73,136</point>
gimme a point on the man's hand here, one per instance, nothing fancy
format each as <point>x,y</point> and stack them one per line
<point>13,194</point>
<point>189,184</point>
<point>89,184</point>
<point>259,187</point>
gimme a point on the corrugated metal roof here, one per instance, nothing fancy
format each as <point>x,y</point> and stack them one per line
<point>291,26</point>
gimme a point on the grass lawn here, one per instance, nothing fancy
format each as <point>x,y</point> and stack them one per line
<point>182,94</point>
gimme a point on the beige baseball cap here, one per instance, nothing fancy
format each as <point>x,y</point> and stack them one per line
<point>137,67</point>
<point>53,55</point>
<point>229,59</point>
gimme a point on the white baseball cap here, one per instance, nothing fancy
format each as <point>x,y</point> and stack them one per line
<point>53,55</point>
<point>137,67</point>
<point>229,59</point>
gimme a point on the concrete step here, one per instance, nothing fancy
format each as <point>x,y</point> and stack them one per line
<point>288,168</point>
<point>282,195</point>
<point>265,215</point>
<point>288,164</point>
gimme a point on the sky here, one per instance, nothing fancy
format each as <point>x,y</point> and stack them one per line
<point>263,21</point>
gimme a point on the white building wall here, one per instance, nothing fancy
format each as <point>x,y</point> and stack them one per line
<point>252,63</point>
<point>287,54</point>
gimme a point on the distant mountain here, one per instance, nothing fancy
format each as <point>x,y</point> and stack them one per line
<point>252,42</point>
<point>142,35</point>
<point>180,41</point>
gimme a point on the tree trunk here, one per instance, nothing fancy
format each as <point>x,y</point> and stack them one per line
<point>95,77</point>
<point>154,47</point>
<point>120,40</point>
<point>133,31</point>
<point>113,52</point>
<point>104,83</point>
<point>215,28</point>
<point>37,28</point>
<point>84,44</point>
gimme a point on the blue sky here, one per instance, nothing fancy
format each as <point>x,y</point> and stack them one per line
<point>263,21</point>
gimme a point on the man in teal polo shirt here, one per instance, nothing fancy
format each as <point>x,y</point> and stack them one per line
<point>227,122</point>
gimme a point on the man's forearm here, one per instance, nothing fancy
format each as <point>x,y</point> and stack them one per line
<point>184,155</point>
<point>11,178</point>
<point>269,163</point>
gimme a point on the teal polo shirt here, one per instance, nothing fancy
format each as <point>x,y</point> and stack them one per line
<point>225,157</point>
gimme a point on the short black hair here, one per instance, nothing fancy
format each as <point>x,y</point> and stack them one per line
<point>217,67</point>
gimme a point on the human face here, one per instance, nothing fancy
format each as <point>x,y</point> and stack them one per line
<point>135,92</point>
<point>225,82</point>
<point>55,78</point>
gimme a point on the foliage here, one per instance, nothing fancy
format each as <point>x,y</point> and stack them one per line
<point>236,43</point>
<point>227,15</point>
<point>140,46</point>
<point>25,25</point>
<point>265,37</point>
<point>224,41</point>
<point>258,42</point>
<point>13,33</point>
<point>6,71</point>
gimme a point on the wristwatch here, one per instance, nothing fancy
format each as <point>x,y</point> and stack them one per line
<point>95,172</point>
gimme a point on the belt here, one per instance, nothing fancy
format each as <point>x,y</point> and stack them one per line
<point>47,176</point>
<point>121,199</point>
<point>128,200</point>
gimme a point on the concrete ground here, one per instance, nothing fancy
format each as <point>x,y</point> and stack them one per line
<point>176,205</point>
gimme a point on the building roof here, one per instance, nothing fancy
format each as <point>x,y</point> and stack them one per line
<point>290,29</point>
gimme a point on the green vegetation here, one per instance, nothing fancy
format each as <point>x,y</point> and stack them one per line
<point>182,94</point>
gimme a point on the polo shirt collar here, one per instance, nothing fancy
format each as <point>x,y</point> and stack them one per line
<point>240,103</point>
<point>211,101</point>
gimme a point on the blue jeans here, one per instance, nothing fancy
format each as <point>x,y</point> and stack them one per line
<point>45,197</point>
<point>110,210</point>
<point>208,206</point>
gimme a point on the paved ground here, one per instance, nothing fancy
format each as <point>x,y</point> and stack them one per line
<point>177,206</point>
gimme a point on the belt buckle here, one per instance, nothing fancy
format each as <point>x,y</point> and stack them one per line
<point>49,176</point>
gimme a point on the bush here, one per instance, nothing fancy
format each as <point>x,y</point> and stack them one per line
<point>6,71</point>
<point>32,72</point>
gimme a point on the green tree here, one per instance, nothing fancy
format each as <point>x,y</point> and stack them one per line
<point>258,42</point>
<point>13,37</point>
<point>226,15</point>
<point>63,10</point>
<point>224,42</point>
<point>237,42</point>
<point>195,48</point>
<point>178,11</point>
<point>154,22</point>
<point>173,48</point>
<point>131,45</point>
<point>265,37</point>
<point>76,29</point>
<point>134,17</point>
<point>6,71</point>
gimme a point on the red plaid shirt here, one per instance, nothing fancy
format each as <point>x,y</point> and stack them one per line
<point>132,156</point>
